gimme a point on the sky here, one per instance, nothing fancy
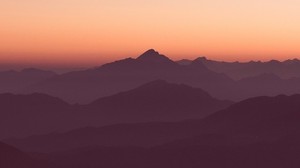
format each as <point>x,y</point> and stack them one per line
<point>90,32</point>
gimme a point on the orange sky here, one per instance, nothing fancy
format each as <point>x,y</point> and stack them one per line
<point>90,32</point>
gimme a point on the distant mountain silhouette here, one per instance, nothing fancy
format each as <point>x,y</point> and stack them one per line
<point>238,70</point>
<point>24,115</point>
<point>184,62</point>
<point>153,56</point>
<point>152,112</point>
<point>261,116</point>
<point>158,101</point>
<point>265,85</point>
<point>257,120</point>
<point>86,86</point>
<point>14,81</point>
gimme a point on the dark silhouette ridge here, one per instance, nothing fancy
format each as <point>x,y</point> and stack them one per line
<point>266,85</point>
<point>14,81</point>
<point>184,62</point>
<point>122,75</point>
<point>154,56</point>
<point>158,101</point>
<point>262,116</point>
<point>154,116</point>
<point>149,61</point>
<point>257,120</point>
<point>24,115</point>
<point>258,132</point>
<point>238,70</point>
<point>85,86</point>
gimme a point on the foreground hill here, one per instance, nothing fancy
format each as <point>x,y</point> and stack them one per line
<point>257,120</point>
<point>11,157</point>
<point>248,156</point>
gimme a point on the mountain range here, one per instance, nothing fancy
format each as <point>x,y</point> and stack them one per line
<point>238,70</point>
<point>24,115</point>
<point>257,132</point>
<point>225,80</point>
<point>108,79</point>
<point>230,81</point>
<point>260,119</point>
<point>152,112</point>
<point>16,81</point>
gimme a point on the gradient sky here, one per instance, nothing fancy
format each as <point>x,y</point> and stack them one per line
<point>89,32</point>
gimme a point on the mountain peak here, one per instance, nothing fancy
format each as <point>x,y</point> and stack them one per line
<point>201,59</point>
<point>153,56</point>
<point>151,52</point>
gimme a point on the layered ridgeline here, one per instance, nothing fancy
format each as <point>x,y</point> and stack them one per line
<point>238,70</point>
<point>258,132</point>
<point>16,81</point>
<point>256,120</point>
<point>248,79</point>
<point>24,115</point>
<point>86,86</point>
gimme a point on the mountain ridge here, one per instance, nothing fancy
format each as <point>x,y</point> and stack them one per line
<point>24,115</point>
<point>257,120</point>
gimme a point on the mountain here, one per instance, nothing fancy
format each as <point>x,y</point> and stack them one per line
<point>238,70</point>
<point>154,57</point>
<point>14,81</point>
<point>184,62</point>
<point>24,115</point>
<point>265,85</point>
<point>262,116</point>
<point>268,120</point>
<point>86,86</point>
<point>157,101</point>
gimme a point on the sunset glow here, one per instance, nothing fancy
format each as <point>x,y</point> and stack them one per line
<point>90,32</point>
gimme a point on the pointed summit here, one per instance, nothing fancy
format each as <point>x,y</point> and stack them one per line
<point>150,52</point>
<point>153,56</point>
<point>199,63</point>
<point>201,59</point>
